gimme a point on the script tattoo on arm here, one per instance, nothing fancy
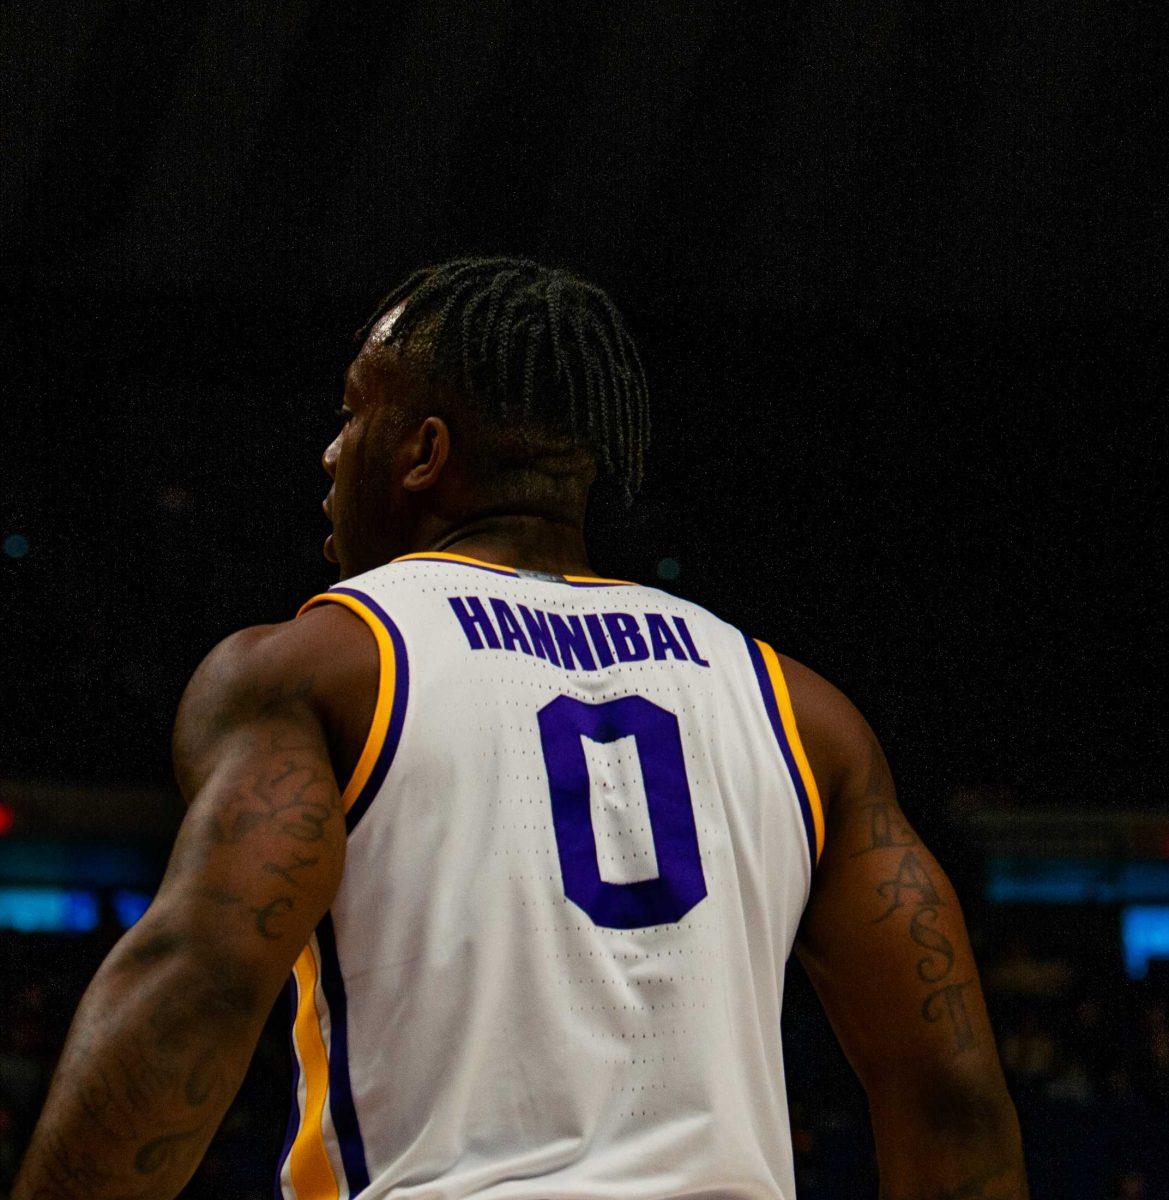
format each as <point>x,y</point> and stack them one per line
<point>886,947</point>
<point>909,889</point>
<point>163,1035</point>
<point>288,812</point>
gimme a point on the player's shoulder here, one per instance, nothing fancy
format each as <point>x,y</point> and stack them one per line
<point>837,738</point>
<point>310,658</point>
<point>302,646</point>
<point>834,733</point>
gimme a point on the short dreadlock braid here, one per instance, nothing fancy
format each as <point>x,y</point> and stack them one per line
<point>536,347</point>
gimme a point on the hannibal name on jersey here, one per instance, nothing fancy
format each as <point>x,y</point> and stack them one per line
<point>581,836</point>
<point>585,641</point>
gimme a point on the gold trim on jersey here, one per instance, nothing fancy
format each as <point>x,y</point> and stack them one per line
<point>387,681</point>
<point>788,717</point>
<point>309,1169</point>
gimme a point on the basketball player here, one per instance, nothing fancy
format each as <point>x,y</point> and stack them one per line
<point>534,845</point>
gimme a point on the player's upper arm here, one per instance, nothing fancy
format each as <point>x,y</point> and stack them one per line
<point>260,853</point>
<point>883,939</point>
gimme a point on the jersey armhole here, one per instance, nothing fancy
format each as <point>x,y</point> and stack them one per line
<point>777,702</point>
<point>385,730</point>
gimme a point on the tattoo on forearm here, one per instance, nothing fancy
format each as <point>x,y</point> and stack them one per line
<point>72,1172</point>
<point>119,1104</point>
<point>144,1080</point>
<point>947,1001</point>
<point>159,1152</point>
<point>156,1053</point>
<point>286,871</point>
<point>910,890</point>
<point>911,880</point>
<point>201,1080</point>
<point>220,896</point>
<point>910,887</point>
<point>295,798</point>
<point>105,1109</point>
<point>936,965</point>
<point>268,912</point>
<point>886,830</point>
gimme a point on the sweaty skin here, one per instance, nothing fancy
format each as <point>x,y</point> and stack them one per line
<point>271,727</point>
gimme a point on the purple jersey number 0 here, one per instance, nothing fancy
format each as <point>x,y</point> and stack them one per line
<point>680,884</point>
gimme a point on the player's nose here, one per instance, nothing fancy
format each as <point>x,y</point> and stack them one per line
<point>329,458</point>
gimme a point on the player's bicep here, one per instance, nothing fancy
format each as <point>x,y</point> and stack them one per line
<point>885,944</point>
<point>260,853</point>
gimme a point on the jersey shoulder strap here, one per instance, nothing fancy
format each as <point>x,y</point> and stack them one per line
<point>389,714</point>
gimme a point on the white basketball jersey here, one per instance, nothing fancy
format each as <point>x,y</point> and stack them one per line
<point>581,836</point>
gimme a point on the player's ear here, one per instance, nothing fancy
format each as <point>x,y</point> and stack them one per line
<point>429,448</point>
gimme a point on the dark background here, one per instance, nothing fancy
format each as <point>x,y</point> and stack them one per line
<point>897,272</point>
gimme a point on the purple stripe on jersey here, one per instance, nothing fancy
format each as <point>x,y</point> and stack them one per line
<point>771,704</point>
<point>397,710</point>
<point>294,1108</point>
<point>341,1105</point>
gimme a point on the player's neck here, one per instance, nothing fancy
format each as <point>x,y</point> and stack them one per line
<point>519,540</point>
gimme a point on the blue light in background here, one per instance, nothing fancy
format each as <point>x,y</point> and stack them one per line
<point>48,910</point>
<point>129,906</point>
<point>71,864</point>
<point>16,545</point>
<point>1075,881</point>
<point>1144,930</point>
<point>669,569</point>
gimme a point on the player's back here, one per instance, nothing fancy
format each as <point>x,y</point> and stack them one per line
<point>581,837</point>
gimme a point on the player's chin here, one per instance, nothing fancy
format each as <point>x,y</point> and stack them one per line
<point>329,552</point>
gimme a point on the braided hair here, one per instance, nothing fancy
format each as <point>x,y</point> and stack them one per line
<point>537,349</point>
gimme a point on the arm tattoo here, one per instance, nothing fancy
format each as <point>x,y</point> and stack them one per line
<point>297,801</point>
<point>268,912</point>
<point>909,889</point>
<point>161,1040</point>
<point>200,1080</point>
<point>885,828</point>
<point>122,1081</point>
<point>159,1152</point>
<point>72,1172</point>
<point>936,965</point>
<point>947,1001</point>
<point>911,879</point>
<point>289,805</point>
<point>286,871</point>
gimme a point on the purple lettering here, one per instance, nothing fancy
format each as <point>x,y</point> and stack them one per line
<point>627,639</point>
<point>600,645</point>
<point>475,622</point>
<point>509,627</point>
<point>661,639</point>
<point>572,642</point>
<point>543,643</point>
<point>688,642</point>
